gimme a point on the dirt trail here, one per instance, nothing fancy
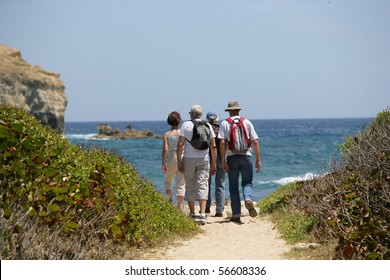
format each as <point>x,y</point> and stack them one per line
<point>253,239</point>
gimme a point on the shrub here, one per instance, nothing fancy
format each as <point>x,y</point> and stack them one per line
<point>352,202</point>
<point>46,182</point>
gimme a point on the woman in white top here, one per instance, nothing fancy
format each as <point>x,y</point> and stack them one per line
<point>169,160</point>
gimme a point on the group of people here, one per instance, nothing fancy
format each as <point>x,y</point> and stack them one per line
<point>194,168</point>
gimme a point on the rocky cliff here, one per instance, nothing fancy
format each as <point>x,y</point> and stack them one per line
<point>30,87</point>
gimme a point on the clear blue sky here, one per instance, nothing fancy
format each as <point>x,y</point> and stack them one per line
<point>124,60</point>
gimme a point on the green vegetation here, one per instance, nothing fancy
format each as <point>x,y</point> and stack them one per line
<point>60,201</point>
<point>293,224</point>
<point>277,199</point>
<point>349,208</point>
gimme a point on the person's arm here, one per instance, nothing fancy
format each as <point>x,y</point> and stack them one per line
<point>255,144</point>
<point>256,150</point>
<point>180,146</point>
<point>222,149</point>
<point>213,150</point>
<point>164,153</point>
<point>223,145</point>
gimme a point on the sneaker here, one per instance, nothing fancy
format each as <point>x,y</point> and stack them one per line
<point>192,215</point>
<point>201,220</point>
<point>218,215</point>
<point>235,219</point>
<point>251,208</point>
<point>180,207</point>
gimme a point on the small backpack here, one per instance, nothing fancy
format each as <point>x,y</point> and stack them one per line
<point>200,136</point>
<point>239,141</point>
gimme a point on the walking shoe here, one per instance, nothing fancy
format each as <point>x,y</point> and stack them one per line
<point>251,208</point>
<point>235,219</point>
<point>218,215</point>
<point>201,220</point>
<point>192,215</point>
<point>180,207</point>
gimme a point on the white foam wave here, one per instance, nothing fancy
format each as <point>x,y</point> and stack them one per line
<point>81,136</point>
<point>286,180</point>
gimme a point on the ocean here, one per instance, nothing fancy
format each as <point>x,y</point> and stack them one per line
<point>291,150</point>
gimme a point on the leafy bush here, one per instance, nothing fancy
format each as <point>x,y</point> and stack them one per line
<point>352,202</point>
<point>89,193</point>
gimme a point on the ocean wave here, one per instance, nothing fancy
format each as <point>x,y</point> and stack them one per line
<point>81,136</point>
<point>286,180</point>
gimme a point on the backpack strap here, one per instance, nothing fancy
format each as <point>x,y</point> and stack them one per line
<point>194,123</point>
<point>230,120</point>
<point>247,138</point>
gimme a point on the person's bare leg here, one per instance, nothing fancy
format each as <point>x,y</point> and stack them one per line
<point>202,205</point>
<point>179,199</point>
<point>191,205</point>
<point>168,195</point>
<point>202,218</point>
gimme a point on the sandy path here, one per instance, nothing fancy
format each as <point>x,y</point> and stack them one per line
<point>254,239</point>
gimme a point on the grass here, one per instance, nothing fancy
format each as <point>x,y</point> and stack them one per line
<point>295,226</point>
<point>323,252</point>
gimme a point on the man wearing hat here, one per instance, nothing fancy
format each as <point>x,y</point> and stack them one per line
<point>236,163</point>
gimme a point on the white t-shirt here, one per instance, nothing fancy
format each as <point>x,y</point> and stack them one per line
<point>186,131</point>
<point>224,133</point>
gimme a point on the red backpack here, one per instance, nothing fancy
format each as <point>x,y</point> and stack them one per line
<point>238,141</point>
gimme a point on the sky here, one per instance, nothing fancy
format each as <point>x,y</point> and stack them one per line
<point>131,60</point>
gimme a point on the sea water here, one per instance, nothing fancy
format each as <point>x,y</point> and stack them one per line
<point>291,150</point>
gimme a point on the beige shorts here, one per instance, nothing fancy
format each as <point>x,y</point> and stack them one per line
<point>196,175</point>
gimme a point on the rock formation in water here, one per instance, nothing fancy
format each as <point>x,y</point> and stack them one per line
<point>107,132</point>
<point>32,88</point>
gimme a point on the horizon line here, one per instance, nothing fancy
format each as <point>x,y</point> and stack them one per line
<point>251,119</point>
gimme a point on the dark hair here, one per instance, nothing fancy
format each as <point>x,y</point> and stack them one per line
<point>174,118</point>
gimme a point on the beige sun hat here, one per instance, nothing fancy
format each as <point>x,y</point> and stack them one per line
<point>233,105</point>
